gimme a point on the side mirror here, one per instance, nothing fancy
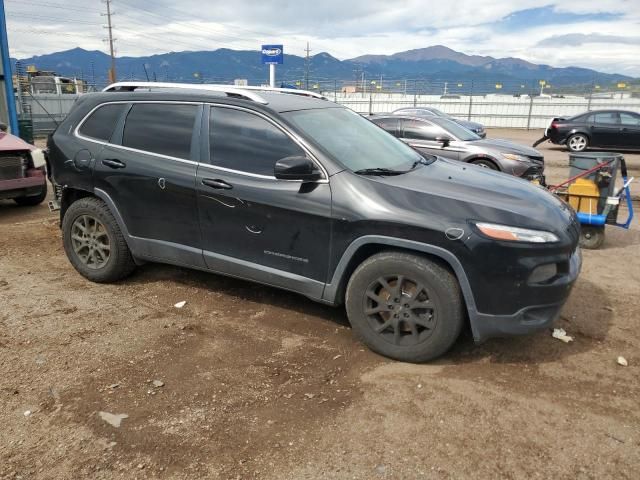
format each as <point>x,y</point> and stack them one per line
<point>297,168</point>
<point>443,140</point>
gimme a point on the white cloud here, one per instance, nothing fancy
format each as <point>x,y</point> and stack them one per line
<point>344,29</point>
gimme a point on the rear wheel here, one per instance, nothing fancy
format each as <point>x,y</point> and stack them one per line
<point>485,164</point>
<point>32,200</point>
<point>94,243</point>
<point>405,306</point>
<point>577,142</point>
<point>591,237</point>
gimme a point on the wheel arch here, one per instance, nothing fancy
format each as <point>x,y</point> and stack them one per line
<point>364,247</point>
<point>486,158</point>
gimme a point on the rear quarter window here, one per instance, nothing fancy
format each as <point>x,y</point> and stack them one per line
<point>102,122</point>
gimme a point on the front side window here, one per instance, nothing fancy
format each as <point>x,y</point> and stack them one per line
<point>242,141</point>
<point>165,129</point>
<point>352,140</point>
<point>629,119</point>
<point>388,124</point>
<point>102,122</point>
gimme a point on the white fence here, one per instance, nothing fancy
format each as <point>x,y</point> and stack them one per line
<point>491,110</point>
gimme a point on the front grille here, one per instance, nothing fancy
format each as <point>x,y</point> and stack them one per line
<point>11,167</point>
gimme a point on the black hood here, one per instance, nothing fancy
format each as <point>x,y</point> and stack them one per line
<point>445,190</point>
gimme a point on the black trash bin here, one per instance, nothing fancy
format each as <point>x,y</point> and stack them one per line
<point>25,130</point>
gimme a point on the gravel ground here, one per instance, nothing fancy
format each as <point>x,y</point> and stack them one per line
<point>253,382</point>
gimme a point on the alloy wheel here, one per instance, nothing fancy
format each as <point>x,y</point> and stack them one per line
<point>400,310</point>
<point>577,143</point>
<point>90,241</point>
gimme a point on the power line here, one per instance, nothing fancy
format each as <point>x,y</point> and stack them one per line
<point>50,5</point>
<point>60,20</point>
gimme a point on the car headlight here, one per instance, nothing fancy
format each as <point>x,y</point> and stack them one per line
<point>513,156</point>
<point>515,234</point>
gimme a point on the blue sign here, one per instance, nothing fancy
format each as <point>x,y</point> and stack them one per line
<point>272,55</point>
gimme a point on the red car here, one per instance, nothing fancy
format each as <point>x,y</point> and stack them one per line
<point>22,172</point>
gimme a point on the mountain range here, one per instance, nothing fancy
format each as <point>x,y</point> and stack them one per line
<point>435,63</point>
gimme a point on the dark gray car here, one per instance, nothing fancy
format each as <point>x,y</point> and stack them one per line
<point>440,136</point>
<point>475,127</point>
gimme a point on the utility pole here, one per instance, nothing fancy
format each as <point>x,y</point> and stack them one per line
<point>306,68</point>
<point>110,27</point>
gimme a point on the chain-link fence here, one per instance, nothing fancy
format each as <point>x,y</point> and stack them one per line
<point>510,104</point>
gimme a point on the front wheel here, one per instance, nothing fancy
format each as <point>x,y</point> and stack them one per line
<point>577,142</point>
<point>485,164</point>
<point>405,306</point>
<point>591,238</point>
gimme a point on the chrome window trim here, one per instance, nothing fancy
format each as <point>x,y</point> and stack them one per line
<point>77,133</point>
<point>284,130</point>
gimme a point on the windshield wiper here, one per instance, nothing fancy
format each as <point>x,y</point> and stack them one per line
<point>380,171</point>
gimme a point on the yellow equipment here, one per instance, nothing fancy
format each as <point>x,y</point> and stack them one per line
<point>584,195</point>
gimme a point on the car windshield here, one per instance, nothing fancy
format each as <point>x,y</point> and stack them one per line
<point>438,113</point>
<point>457,130</point>
<point>355,142</point>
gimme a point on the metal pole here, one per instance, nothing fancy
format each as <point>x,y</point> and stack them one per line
<point>530,109</point>
<point>590,96</point>
<point>335,91</point>
<point>470,102</point>
<point>6,71</point>
<point>272,75</point>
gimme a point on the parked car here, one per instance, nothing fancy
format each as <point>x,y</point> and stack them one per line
<point>303,194</point>
<point>442,137</point>
<point>599,129</point>
<point>475,127</point>
<point>22,171</point>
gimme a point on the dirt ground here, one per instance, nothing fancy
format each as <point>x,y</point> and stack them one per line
<point>253,382</point>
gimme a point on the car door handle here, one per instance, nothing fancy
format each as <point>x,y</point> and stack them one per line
<point>113,163</point>
<point>215,183</point>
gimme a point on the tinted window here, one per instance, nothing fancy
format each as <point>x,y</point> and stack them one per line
<point>628,119</point>
<point>102,122</point>
<point>160,128</point>
<point>605,117</point>
<point>243,141</point>
<point>388,124</point>
<point>421,130</point>
<point>456,130</point>
<point>352,140</point>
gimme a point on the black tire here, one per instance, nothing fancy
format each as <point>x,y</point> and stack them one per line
<point>485,164</point>
<point>591,238</point>
<point>387,326</point>
<point>578,142</point>
<point>32,200</point>
<point>115,265</point>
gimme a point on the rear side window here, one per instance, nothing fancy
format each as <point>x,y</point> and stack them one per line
<point>421,130</point>
<point>388,124</point>
<point>628,119</point>
<point>246,142</point>
<point>165,129</point>
<point>605,117</point>
<point>102,122</point>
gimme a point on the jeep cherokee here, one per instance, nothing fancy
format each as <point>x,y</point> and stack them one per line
<point>300,193</point>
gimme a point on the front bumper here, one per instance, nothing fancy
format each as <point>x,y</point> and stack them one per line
<point>530,318</point>
<point>32,184</point>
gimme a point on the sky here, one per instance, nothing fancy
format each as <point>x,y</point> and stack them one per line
<point>599,34</point>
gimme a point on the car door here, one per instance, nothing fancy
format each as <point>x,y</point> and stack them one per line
<point>422,135</point>
<point>605,129</point>
<point>629,130</point>
<point>148,170</point>
<point>253,225</point>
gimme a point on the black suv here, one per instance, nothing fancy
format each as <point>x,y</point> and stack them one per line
<point>303,194</point>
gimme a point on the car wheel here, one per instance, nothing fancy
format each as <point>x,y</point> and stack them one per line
<point>485,164</point>
<point>94,243</point>
<point>577,142</point>
<point>591,238</point>
<point>32,200</point>
<point>405,306</point>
